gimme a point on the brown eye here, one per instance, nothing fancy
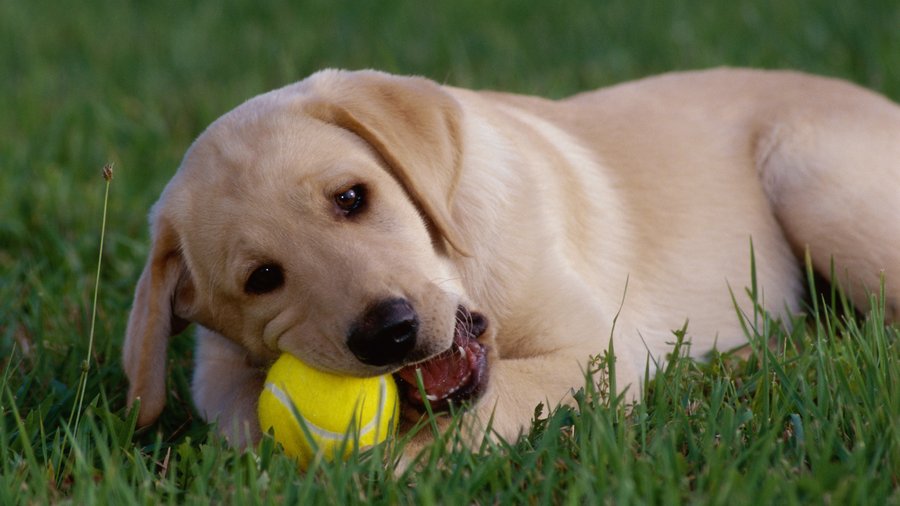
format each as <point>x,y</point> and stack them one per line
<point>266,278</point>
<point>351,201</point>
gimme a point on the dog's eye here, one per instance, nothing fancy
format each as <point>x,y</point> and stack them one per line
<point>351,201</point>
<point>266,278</point>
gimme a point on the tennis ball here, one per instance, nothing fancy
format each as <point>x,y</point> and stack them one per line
<point>312,411</point>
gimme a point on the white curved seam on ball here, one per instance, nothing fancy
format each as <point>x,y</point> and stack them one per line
<point>286,401</point>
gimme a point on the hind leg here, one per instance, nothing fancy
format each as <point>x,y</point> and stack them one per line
<point>831,169</point>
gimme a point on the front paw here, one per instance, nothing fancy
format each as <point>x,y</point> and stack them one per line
<point>428,443</point>
<point>418,440</point>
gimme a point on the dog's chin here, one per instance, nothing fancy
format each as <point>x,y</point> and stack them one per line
<point>455,376</point>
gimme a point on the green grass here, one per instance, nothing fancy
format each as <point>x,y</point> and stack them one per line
<point>814,421</point>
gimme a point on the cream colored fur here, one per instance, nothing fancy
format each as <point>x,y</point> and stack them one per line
<point>536,213</point>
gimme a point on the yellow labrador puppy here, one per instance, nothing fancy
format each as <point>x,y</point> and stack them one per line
<point>369,223</point>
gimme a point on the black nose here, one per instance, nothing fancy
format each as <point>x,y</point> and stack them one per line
<point>385,333</point>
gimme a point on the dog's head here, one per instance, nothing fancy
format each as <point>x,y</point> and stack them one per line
<point>314,220</point>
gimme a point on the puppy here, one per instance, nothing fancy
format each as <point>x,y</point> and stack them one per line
<point>369,224</point>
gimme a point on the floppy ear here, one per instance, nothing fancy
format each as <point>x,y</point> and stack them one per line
<point>164,292</point>
<point>412,123</point>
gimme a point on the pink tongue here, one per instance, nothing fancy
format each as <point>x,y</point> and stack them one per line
<point>443,374</point>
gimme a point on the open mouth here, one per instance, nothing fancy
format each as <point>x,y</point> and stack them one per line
<point>454,376</point>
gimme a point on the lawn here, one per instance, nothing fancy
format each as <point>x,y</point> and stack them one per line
<point>811,416</point>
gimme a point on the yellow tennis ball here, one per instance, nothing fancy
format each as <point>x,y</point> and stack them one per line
<point>312,411</point>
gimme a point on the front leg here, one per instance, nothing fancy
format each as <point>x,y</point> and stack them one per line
<point>226,387</point>
<point>551,367</point>
<point>542,353</point>
<point>518,385</point>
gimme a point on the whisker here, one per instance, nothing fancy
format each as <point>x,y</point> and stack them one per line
<point>440,281</point>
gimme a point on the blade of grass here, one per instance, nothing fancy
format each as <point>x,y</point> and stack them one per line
<point>78,407</point>
<point>86,364</point>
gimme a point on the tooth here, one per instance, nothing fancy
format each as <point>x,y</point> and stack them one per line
<point>463,381</point>
<point>431,397</point>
